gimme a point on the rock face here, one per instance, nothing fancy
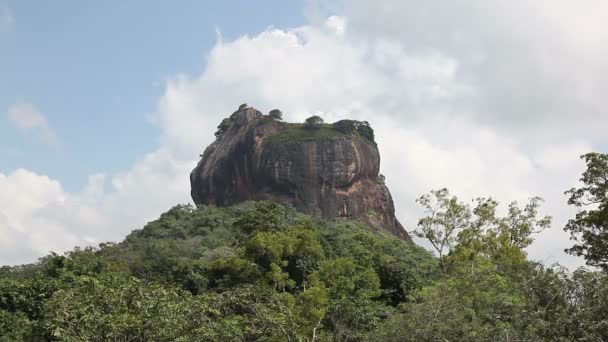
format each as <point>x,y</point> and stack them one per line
<point>330,174</point>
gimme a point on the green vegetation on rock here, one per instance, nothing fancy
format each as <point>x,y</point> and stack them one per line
<point>223,127</point>
<point>313,122</point>
<point>361,128</point>
<point>294,133</point>
<point>298,133</point>
<point>276,114</point>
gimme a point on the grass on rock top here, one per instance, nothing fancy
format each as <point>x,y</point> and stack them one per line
<point>298,133</point>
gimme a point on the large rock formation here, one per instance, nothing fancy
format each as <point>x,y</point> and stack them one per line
<point>320,171</point>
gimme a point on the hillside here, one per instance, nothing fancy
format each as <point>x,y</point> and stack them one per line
<point>253,271</point>
<point>260,271</point>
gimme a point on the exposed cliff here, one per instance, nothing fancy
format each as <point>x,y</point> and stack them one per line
<point>324,171</point>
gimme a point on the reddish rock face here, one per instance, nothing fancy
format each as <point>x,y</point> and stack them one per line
<point>333,177</point>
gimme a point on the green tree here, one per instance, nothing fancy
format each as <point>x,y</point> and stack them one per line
<point>365,130</point>
<point>119,308</point>
<point>346,126</point>
<point>487,290</point>
<point>503,239</point>
<point>586,319</point>
<point>445,218</point>
<point>223,127</point>
<point>226,273</point>
<point>265,216</point>
<point>14,327</point>
<point>313,122</point>
<point>352,289</point>
<point>276,114</point>
<point>589,228</point>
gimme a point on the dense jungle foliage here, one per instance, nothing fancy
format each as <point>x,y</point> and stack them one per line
<point>260,271</point>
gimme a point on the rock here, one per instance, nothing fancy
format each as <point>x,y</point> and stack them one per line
<point>319,171</point>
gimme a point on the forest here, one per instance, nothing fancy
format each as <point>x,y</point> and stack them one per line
<point>261,271</point>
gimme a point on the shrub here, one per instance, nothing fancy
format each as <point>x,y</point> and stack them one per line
<point>346,126</point>
<point>366,131</point>
<point>276,114</point>
<point>314,122</point>
<point>223,127</point>
<point>350,126</point>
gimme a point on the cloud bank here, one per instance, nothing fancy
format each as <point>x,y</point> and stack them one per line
<point>486,98</point>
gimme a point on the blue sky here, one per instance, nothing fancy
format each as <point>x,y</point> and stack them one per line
<point>97,69</point>
<point>105,106</point>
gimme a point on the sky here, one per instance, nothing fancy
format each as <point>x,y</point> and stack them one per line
<point>105,107</point>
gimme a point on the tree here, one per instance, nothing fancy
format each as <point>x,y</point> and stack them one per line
<point>346,126</point>
<point>519,224</point>
<point>451,226</point>
<point>276,114</point>
<point>366,131</point>
<point>351,289</point>
<point>502,239</point>
<point>223,127</point>
<point>362,128</point>
<point>587,319</point>
<point>446,216</point>
<point>115,307</point>
<point>266,216</point>
<point>314,122</point>
<point>13,326</point>
<point>589,228</point>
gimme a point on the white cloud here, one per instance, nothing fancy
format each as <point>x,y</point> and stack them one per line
<point>7,19</point>
<point>29,119</point>
<point>38,216</point>
<point>533,62</point>
<point>487,98</point>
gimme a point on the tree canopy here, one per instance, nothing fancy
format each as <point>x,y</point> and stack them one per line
<point>260,271</point>
<point>313,122</point>
<point>589,228</point>
<point>276,114</point>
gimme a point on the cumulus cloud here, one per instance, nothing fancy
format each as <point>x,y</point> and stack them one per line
<point>479,97</point>
<point>38,216</point>
<point>29,119</point>
<point>535,64</point>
